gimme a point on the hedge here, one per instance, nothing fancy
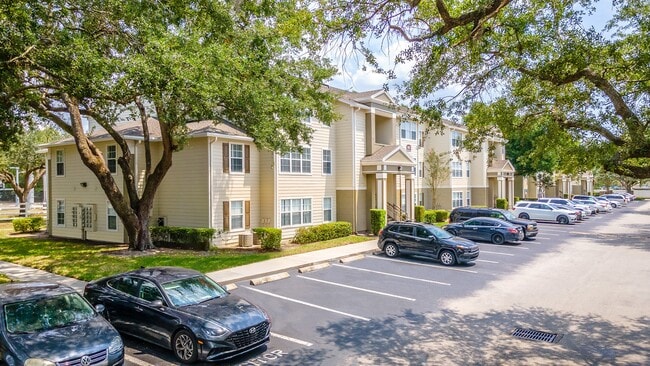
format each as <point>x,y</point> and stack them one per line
<point>502,203</point>
<point>442,215</point>
<point>182,237</point>
<point>429,217</point>
<point>377,220</point>
<point>270,238</point>
<point>419,213</point>
<point>322,232</point>
<point>28,224</point>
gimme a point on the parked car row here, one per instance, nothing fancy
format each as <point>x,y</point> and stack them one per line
<point>175,308</point>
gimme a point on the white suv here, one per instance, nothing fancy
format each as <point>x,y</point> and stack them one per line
<point>543,212</point>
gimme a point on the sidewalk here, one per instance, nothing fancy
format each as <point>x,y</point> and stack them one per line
<point>224,277</point>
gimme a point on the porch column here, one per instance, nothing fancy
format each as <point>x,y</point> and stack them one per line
<point>381,190</point>
<point>500,188</point>
<point>511,191</point>
<point>408,191</point>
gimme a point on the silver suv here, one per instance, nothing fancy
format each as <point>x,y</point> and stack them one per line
<point>541,211</point>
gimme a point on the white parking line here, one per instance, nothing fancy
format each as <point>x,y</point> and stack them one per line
<point>136,361</point>
<point>393,275</point>
<point>486,261</point>
<point>294,340</point>
<point>356,288</point>
<point>542,238</point>
<point>306,303</point>
<point>421,264</point>
<point>553,234</point>
<point>507,246</point>
<point>508,254</point>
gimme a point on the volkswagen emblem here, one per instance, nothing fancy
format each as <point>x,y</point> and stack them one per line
<point>85,361</point>
<point>252,330</point>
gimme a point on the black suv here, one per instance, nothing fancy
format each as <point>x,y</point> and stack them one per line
<point>426,240</point>
<point>464,213</point>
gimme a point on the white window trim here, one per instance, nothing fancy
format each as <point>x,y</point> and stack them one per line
<point>56,223</point>
<point>331,210</point>
<point>291,160</point>
<point>330,161</point>
<point>456,173</point>
<point>108,215</point>
<point>230,158</point>
<point>454,201</point>
<point>56,163</point>
<point>115,158</point>
<point>291,212</point>
<point>243,216</point>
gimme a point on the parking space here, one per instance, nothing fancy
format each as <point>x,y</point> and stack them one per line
<point>376,292</point>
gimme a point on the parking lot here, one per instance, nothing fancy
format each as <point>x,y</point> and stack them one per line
<point>585,283</point>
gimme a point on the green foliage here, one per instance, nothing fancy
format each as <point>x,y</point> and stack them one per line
<point>502,203</point>
<point>322,232</point>
<point>437,170</point>
<point>377,220</point>
<point>182,237</point>
<point>28,224</point>
<point>270,238</point>
<point>442,215</point>
<point>517,199</point>
<point>419,213</point>
<point>430,217</point>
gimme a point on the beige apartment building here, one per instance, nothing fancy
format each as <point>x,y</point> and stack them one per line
<point>372,157</point>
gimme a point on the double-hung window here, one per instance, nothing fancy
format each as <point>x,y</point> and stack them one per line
<point>60,213</point>
<point>236,158</point>
<point>327,161</point>
<point>327,209</point>
<point>409,130</point>
<point>456,199</point>
<point>236,215</point>
<point>456,139</point>
<point>111,218</point>
<point>60,163</point>
<point>456,169</point>
<point>469,163</point>
<point>111,158</point>
<point>296,162</point>
<point>295,211</point>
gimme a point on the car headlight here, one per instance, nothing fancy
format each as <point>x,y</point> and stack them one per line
<point>215,330</point>
<point>116,345</point>
<point>38,362</point>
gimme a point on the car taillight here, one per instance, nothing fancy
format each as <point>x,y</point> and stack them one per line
<point>380,231</point>
<point>513,230</point>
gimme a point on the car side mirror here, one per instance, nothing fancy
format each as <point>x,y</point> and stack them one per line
<point>100,308</point>
<point>157,303</point>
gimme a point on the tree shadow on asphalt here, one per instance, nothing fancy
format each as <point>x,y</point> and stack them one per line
<point>449,337</point>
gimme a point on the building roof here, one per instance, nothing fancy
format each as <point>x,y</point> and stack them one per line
<point>501,166</point>
<point>392,154</point>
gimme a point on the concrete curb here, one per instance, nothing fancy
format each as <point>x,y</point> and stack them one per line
<point>269,278</point>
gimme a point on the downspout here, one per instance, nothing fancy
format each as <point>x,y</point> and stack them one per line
<point>277,220</point>
<point>210,181</point>
<point>355,194</point>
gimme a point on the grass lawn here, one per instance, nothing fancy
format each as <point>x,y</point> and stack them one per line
<point>88,261</point>
<point>4,279</point>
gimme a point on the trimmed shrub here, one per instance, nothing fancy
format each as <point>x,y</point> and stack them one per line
<point>377,220</point>
<point>430,216</point>
<point>442,215</point>
<point>517,199</point>
<point>419,213</point>
<point>502,203</point>
<point>182,237</point>
<point>322,232</point>
<point>270,238</point>
<point>28,224</point>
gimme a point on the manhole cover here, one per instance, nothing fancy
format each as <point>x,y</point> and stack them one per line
<point>536,335</point>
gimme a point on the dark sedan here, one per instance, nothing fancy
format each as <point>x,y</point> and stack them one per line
<point>182,310</point>
<point>50,324</point>
<point>490,229</point>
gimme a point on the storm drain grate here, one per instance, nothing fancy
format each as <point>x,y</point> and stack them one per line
<point>536,335</point>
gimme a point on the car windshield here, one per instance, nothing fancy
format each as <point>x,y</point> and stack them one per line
<point>509,215</point>
<point>42,314</point>
<point>192,291</point>
<point>438,232</point>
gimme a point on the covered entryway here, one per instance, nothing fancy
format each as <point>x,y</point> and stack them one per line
<point>501,182</point>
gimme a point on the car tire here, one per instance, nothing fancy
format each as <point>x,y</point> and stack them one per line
<point>498,239</point>
<point>447,257</point>
<point>185,347</point>
<point>524,216</point>
<point>613,205</point>
<point>452,232</point>
<point>391,250</point>
<point>563,220</point>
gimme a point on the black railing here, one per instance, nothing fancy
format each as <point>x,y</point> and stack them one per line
<point>395,213</point>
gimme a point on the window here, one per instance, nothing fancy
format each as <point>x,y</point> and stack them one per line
<point>327,161</point>
<point>456,139</point>
<point>295,162</point>
<point>127,285</point>
<point>60,213</point>
<point>236,215</point>
<point>60,164</point>
<point>327,209</point>
<point>421,169</point>
<point>469,198</point>
<point>405,230</point>
<point>421,232</point>
<point>456,199</point>
<point>295,211</point>
<point>236,158</point>
<point>456,169</point>
<point>111,218</point>
<point>111,158</point>
<point>149,291</point>
<point>409,130</point>
<point>468,167</point>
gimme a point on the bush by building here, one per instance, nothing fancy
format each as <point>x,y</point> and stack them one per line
<point>419,213</point>
<point>377,220</point>
<point>28,224</point>
<point>182,237</point>
<point>322,232</point>
<point>269,238</point>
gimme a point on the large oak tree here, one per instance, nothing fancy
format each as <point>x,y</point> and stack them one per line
<point>534,58</point>
<point>249,62</point>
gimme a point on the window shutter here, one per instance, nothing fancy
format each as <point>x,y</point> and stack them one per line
<point>226,157</point>
<point>247,158</point>
<point>247,214</point>
<point>226,215</point>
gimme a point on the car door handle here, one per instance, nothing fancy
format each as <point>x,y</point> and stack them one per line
<point>138,309</point>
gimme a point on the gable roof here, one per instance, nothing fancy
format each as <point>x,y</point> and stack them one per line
<point>501,166</point>
<point>132,130</point>
<point>352,97</point>
<point>389,154</point>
